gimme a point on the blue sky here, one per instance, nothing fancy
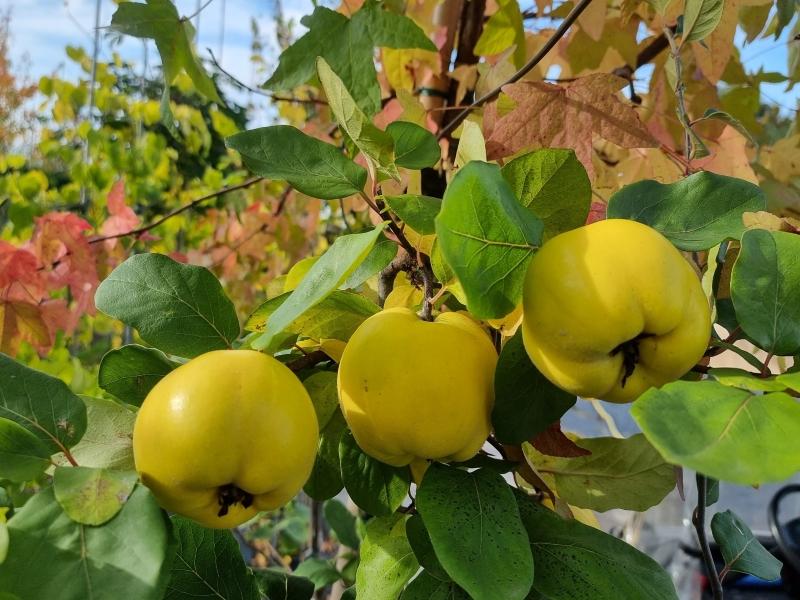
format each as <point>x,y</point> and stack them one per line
<point>42,28</point>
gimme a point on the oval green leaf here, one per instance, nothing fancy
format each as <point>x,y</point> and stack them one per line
<point>476,532</point>
<point>414,147</point>
<point>740,548</point>
<point>92,496</point>
<point>387,561</point>
<point>130,372</point>
<point>23,456</point>
<point>180,309</point>
<point>695,213</point>
<point>724,432</point>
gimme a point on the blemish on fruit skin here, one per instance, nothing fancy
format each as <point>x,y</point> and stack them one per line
<point>366,386</point>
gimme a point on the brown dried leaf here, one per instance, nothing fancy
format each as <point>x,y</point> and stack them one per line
<point>566,116</point>
<point>553,442</point>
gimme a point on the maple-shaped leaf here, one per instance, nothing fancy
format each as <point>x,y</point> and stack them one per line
<point>60,243</point>
<point>567,116</point>
<point>348,46</point>
<point>121,217</point>
<point>20,277</point>
<point>22,321</point>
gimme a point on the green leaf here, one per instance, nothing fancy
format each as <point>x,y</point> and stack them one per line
<point>554,185</point>
<point>309,165</point>
<point>427,587</point>
<point>352,54</point>
<point>578,562</point>
<point>130,372</point>
<point>746,380</point>
<point>741,550</point>
<point>208,564</point>
<point>107,443</point>
<point>695,213</point>
<point>723,432</point>
<point>418,212</point>
<point>700,18</point>
<point>321,387</point>
<point>721,115</point>
<point>487,238</point>
<point>503,30</point>
<point>23,456</point>
<point>765,287</point>
<point>343,523</point>
<point>43,405</point>
<point>476,531</point>
<point>335,317</point>
<point>327,274</point>
<point>619,473</point>
<point>277,584</point>
<point>159,20</point>
<point>325,480</point>
<point>88,562</point>
<point>180,309</point>
<point>92,496</point>
<point>526,403</point>
<point>376,145</point>
<point>787,9</point>
<point>712,490</point>
<point>3,546</point>
<point>387,561</point>
<point>414,146</point>
<point>382,253</point>
<point>318,571</point>
<point>375,487</point>
<point>420,541</point>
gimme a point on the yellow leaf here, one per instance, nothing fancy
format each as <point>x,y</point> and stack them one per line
<point>503,30</point>
<point>404,296</point>
<point>399,65</point>
<point>333,348</point>
<point>471,145</point>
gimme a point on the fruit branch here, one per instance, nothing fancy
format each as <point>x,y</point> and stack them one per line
<point>308,360</point>
<point>535,60</point>
<point>179,210</point>
<point>699,522</point>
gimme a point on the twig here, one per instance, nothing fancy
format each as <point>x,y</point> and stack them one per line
<point>177,211</point>
<point>765,370</point>
<point>607,419</point>
<point>535,60</point>
<point>497,446</point>
<point>276,97</point>
<point>386,279</point>
<point>679,89</point>
<point>197,12</point>
<point>699,521</point>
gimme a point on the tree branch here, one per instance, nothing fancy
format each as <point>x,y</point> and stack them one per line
<point>535,60</point>
<point>309,360</point>
<point>276,97</point>
<point>179,210</point>
<point>699,521</point>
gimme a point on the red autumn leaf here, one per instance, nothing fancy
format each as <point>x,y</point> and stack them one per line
<point>553,442</point>
<point>22,321</point>
<point>566,116</point>
<point>20,276</point>
<point>597,212</point>
<point>121,217</point>
<point>68,259</point>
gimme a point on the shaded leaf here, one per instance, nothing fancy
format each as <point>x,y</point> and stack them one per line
<point>42,404</point>
<point>526,403</point>
<point>130,372</point>
<point>476,532</point>
<point>414,147</point>
<point>578,562</point>
<point>700,18</point>
<point>695,213</point>
<point>208,564</point>
<point>325,480</point>
<point>418,212</point>
<point>718,422</point>
<point>318,571</point>
<point>382,253</point>
<point>321,387</point>
<point>180,309</point>
<point>741,550</point>
<point>108,441</point>
<point>375,487</point>
<point>487,238</point>
<point>765,287</point>
<point>554,442</point>
<point>420,541</point>
<point>309,165</point>
<point>427,587</point>
<point>23,456</point>
<point>277,584</point>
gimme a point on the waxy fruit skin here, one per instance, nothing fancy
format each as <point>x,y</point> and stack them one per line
<point>226,418</point>
<point>591,289</point>
<point>413,390</point>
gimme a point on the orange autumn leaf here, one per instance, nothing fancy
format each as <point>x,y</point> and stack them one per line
<point>567,116</point>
